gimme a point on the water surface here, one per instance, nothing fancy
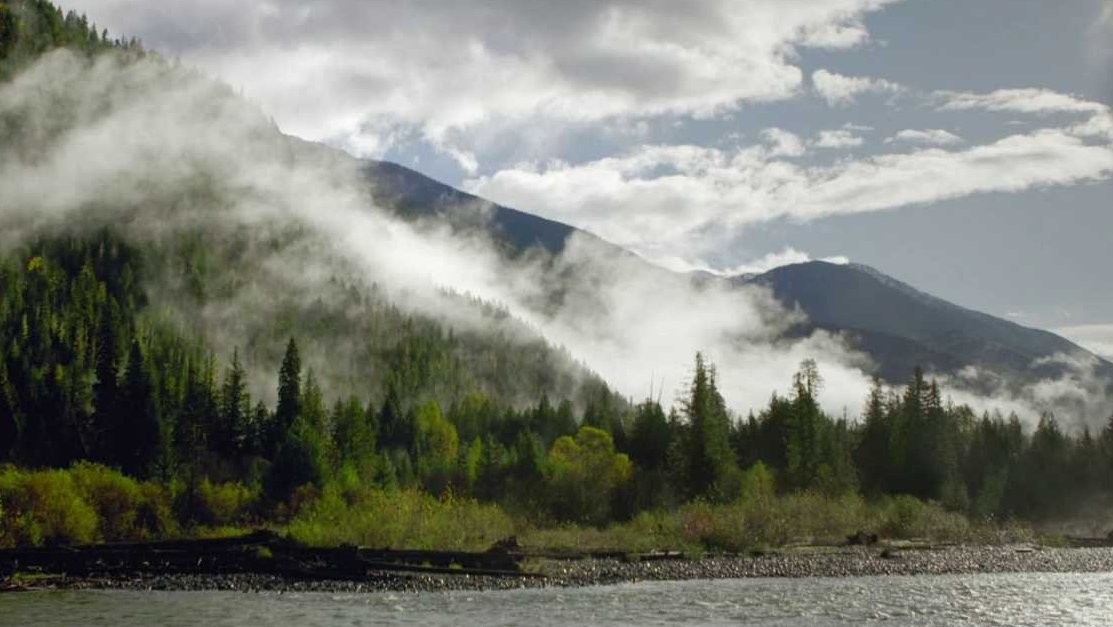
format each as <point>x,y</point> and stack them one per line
<point>1009,599</point>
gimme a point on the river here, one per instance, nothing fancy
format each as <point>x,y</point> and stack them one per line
<point>1007,599</point>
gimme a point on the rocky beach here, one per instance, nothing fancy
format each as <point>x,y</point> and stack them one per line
<point>798,563</point>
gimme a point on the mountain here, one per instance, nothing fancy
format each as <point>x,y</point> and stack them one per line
<point>902,327</point>
<point>896,325</point>
<point>418,196</point>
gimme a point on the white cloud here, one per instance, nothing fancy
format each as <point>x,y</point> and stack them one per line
<point>837,139</point>
<point>659,200</point>
<point>358,72</point>
<point>132,141</point>
<point>927,137</point>
<point>783,143</point>
<point>786,257</point>
<point>839,90</point>
<point>1037,101</point>
<point>1096,338</point>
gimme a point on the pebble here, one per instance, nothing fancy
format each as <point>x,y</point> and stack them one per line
<point>847,561</point>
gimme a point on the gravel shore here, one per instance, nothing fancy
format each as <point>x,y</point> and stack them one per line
<point>836,562</point>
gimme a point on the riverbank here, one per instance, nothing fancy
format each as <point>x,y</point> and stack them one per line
<point>810,562</point>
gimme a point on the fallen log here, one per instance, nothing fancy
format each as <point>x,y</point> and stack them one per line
<point>262,552</point>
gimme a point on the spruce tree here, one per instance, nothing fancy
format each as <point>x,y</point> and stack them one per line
<point>709,456</point>
<point>289,398</point>
<point>106,390</point>
<point>235,409</point>
<point>139,433</point>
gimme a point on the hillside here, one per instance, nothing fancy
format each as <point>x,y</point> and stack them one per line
<point>902,327</point>
<point>897,326</point>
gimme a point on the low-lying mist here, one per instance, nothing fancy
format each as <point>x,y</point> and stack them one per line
<point>157,150</point>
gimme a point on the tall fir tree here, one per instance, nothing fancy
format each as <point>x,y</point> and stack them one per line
<point>139,433</point>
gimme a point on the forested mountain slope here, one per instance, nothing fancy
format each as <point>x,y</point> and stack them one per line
<point>896,325</point>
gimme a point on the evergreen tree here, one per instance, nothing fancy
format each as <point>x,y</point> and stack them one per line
<point>139,433</point>
<point>289,387</point>
<point>872,453</point>
<point>353,438</point>
<point>235,409</point>
<point>9,421</point>
<point>803,445</point>
<point>709,456</point>
<point>651,436</point>
<point>106,390</point>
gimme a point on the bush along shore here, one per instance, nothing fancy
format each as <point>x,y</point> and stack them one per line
<point>95,528</point>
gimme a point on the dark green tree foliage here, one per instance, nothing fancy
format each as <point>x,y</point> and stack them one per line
<point>300,461</point>
<point>233,429</point>
<point>88,371</point>
<point>709,457</point>
<point>30,28</point>
<point>651,436</point>
<point>137,433</point>
<point>395,423</point>
<point>289,388</point>
<point>872,453</point>
<point>353,432</point>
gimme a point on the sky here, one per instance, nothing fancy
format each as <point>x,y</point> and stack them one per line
<point>963,146</point>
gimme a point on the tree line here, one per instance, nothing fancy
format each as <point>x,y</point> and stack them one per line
<point>87,375</point>
<point>29,28</point>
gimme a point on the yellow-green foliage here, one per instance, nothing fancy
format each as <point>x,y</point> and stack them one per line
<point>86,503</point>
<point>760,519</point>
<point>225,504</point>
<point>648,531</point>
<point>408,519</point>
<point>908,517</point>
<point>584,473</point>
<point>435,439</point>
<point>114,497</point>
<point>810,517</point>
<point>43,506</point>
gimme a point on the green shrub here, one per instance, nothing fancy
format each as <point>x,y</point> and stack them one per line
<point>399,519</point>
<point>43,507</point>
<point>909,517</point>
<point>114,497</point>
<point>225,504</point>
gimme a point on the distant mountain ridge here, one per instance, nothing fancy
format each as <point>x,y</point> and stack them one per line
<point>898,326</point>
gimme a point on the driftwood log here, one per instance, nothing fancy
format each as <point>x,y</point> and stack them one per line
<point>262,552</point>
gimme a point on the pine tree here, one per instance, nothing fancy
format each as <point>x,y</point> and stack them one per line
<point>803,446</point>
<point>289,399</point>
<point>235,409</point>
<point>9,421</point>
<point>106,390</point>
<point>709,456</point>
<point>353,438</point>
<point>139,434</point>
<point>651,436</point>
<point>872,454</point>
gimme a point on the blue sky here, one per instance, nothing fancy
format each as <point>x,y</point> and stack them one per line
<point>964,146</point>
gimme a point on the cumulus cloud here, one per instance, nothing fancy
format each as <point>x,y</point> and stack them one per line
<point>927,137</point>
<point>660,199</point>
<point>839,90</point>
<point>840,138</point>
<point>362,73</point>
<point>783,143</point>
